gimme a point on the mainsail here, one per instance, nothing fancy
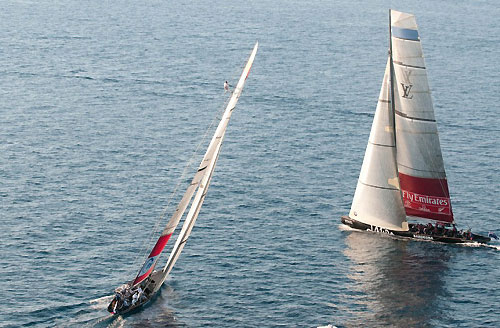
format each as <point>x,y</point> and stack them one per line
<point>203,188</point>
<point>199,184</point>
<point>377,200</point>
<point>422,176</point>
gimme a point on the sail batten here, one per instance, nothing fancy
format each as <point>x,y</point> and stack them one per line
<point>414,118</point>
<point>380,145</point>
<point>408,65</point>
<point>378,187</point>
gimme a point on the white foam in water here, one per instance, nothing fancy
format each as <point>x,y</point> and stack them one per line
<point>494,246</point>
<point>344,227</point>
<point>329,326</point>
<point>101,302</point>
<point>497,247</point>
<point>119,322</point>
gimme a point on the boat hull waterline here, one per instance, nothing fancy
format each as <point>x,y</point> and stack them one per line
<point>149,293</point>
<point>355,224</point>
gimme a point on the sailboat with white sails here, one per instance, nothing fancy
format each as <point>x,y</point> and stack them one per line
<point>148,281</point>
<point>403,172</point>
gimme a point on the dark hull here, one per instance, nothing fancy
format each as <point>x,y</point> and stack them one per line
<point>414,235</point>
<point>133,308</point>
<point>151,290</point>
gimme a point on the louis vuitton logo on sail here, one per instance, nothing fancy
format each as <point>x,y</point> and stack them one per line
<point>407,84</point>
<point>406,91</point>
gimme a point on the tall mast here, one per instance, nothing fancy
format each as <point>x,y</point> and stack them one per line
<point>393,104</point>
<point>391,65</point>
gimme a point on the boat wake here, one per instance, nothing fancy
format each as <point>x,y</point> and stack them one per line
<point>108,320</point>
<point>101,302</point>
<point>344,227</point>
<point>493,246</point>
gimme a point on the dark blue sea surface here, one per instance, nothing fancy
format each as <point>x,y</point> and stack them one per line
<point>103,102</point>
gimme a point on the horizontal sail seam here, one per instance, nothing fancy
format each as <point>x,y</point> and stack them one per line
<point>411,168</point>
<point>407,65</point>
<point>369,185</point>
<point>414,118</point>
<point>417,132</point>
<point>381,145</point>
<point>406,39</point>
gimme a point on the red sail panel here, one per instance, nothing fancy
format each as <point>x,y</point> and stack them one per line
<point>426,198</point>
<point>150,263</point>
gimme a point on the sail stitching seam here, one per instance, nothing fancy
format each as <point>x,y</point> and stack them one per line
<point>411,168</point>
<point>381,145</point>
<point>370,185</point>
<point>407,65</point>
<point>414,118</point>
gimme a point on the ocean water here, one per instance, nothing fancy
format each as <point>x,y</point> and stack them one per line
<point>103,103</point>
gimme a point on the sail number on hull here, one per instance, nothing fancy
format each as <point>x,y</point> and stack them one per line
<point>379,229</point>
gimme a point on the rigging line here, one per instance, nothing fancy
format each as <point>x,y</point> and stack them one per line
<point>391,79</point>
<point>145,244</point>
<point>204,183</point>
<point>162,216</point>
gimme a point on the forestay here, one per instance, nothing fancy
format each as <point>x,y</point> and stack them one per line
<point>422,176</point>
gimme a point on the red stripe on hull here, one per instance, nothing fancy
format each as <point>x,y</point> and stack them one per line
<point>426,198</point>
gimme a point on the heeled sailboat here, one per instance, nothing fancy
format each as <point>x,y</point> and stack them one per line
<point>148,281</point>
